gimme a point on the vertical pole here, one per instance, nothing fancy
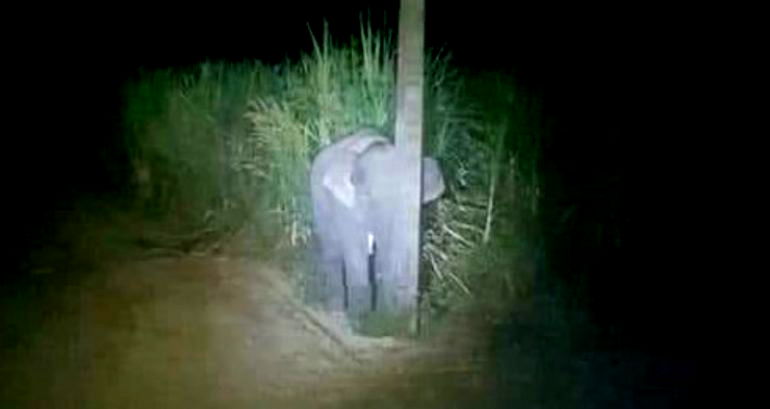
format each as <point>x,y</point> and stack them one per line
<point>408,138</point>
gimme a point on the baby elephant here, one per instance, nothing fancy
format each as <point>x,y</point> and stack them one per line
<point>357,194</point>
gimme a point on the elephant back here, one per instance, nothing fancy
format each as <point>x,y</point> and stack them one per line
<point>361,140</point>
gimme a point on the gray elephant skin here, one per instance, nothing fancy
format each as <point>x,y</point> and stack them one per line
<point>358,204</point>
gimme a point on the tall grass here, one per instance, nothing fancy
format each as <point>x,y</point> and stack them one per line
<point>183,131</point>
<point>483,246</point>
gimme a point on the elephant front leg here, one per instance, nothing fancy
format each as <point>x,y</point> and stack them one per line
<point>359,290</point>
<point>331,281</point>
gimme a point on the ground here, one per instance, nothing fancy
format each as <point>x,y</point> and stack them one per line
<point>133,328</point>
<point>104,317</point>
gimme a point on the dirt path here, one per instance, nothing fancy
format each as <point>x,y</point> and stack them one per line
<point>219,332</point>
<point>102,319</point>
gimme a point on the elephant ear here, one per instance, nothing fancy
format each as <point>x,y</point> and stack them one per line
<point>340,179</point>
<point>432,180</point>
<point>337,181</point>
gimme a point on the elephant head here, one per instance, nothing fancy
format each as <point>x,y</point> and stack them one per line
<point>374,169</point>
<point>337,176</point>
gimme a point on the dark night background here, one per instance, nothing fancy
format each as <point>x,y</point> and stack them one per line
<point>612,89</point>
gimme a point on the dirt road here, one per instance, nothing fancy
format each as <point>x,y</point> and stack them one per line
<point>218,332</point>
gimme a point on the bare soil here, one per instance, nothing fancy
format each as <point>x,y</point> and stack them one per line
<point>144,330</point>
